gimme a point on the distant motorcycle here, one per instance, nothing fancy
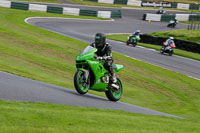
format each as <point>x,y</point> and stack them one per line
<point>132,40</point>
<point>161,12</point>
<point>169,49</point>
<point>172,23</point>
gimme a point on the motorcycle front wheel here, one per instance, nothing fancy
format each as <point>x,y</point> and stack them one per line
<point>134,44</point>
<point>171,53</point>
<point>81,86</point>
<point>114,94</point>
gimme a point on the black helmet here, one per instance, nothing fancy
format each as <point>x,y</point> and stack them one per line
<point>100,39</point>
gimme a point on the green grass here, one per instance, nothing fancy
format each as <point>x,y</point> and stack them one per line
<point>183,34</point>
<point>42,55</point>
<point>30,117</point>
<point>123,38</point>
<point>190,22</point>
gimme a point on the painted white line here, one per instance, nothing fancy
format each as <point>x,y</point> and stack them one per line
<point>26,20</point>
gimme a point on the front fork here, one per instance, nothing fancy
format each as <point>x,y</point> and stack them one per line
<point>86,75</point>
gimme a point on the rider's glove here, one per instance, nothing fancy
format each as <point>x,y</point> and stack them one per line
<point>99,58</point>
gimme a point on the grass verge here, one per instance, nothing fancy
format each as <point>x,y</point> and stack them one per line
<point>23,117</point>
<point>42,55</point>
<point>183,34</point>
<point>123,38</point>
<point>190,22</point>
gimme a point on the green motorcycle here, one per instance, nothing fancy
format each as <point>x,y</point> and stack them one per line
<point>132,40</point>
<point>92,75</point>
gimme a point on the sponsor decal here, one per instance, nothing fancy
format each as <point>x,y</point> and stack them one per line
<point>157,4</point>
<point>98,81</point>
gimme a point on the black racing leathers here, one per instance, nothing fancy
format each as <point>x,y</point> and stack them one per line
<point>106,50</point>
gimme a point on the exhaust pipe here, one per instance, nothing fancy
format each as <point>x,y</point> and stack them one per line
<point>115,86</point>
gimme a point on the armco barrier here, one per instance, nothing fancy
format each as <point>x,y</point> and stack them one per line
<point>182,17</point>
<point>104,14</point>
<point>60,10</point>
<point>152,17</point>
<point>123,2</point>
<point>194,17</point>
<point>52,9</point>
<point>180,44</point>
<point>168,17</point>
<point>104,1</point>
<point>5,4</point>
<point>35,7</point>
<point>84,12</point>
<point>71,11</point>
<point>19,5</point>
<point>116,14</point>
<point>174,5</point>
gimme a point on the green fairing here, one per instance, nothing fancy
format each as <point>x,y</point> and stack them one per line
<point>135,38</point>
<point>87,58</point>
<point>138,39</point>
<point>119,67</point>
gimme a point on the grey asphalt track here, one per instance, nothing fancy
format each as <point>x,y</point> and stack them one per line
<point>23,89</point>
<point>85,29</point>
<point>18,88</point>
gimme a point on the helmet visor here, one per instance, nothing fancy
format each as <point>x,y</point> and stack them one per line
<point>98,40</point>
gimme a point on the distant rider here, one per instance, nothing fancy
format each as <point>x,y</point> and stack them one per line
<point>173,22</point>
<point>104,51</point>
<point>136,34</point>
<point>161,10</point>
<point>169,41</point>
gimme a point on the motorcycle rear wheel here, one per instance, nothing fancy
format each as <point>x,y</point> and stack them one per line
<point>115,94</point>
<point>161,51</point>
<point>80,86</point>
<point>127,43</point>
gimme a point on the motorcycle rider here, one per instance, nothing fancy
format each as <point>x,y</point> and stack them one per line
<point>136,34</point>
<point>104,51</point>
<point>173,22</point>
<point>169,41</point>
<point>161,10</point>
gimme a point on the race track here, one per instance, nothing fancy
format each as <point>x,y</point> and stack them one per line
<point>22,89</point>
<point>85,30</point>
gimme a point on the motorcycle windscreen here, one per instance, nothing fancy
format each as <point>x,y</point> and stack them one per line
<point>86,50</point>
